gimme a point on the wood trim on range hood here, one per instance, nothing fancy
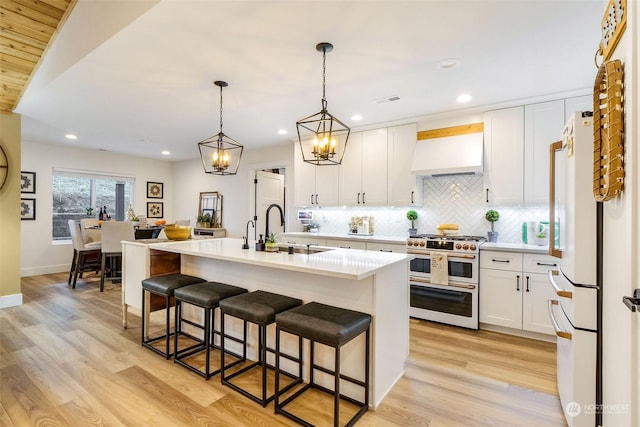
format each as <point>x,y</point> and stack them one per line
<point>451,131</point>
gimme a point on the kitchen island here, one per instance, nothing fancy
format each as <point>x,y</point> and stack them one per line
<point>367,281</point>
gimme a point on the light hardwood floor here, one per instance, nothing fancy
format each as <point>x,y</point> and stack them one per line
<point>65,360</point>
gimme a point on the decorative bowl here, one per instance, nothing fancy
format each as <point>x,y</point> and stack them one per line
<point>177,232</point>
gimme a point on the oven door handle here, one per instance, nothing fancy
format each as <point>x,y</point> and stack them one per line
<point>451,284</point>
<point>559,332</point>
<point>419,252</point>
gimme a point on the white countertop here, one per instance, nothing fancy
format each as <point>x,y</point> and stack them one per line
<point>400,240</point>
<point>345,263</point>
<point>514,247</point>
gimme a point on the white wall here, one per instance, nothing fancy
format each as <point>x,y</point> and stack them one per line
<point>39,255</point>
<point>237,190</point>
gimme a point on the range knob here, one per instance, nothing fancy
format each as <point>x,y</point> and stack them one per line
<point>472,247</point>
<point>422,243</point>
<point>465,246</point>
<point>458,245</point>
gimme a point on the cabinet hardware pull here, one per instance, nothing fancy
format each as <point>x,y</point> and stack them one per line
<point>546,264</point>
<point>487,195</point>
<point>385,250</point>
<point>358,198</point>
<point>527,283</point>
<point>412,197</point>
<point>312,199</point>
<point>363,198</point>
<point>345,247</point>
<point>500,260</point>
<point>559,332</point>
<point>560,292</point>
<point>316,199</point>
<point>518,283</point>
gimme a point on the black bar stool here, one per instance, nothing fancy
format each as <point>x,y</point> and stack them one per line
<point>207,296</point>
<point>260,308</point>
<point>333,327</point>
<point>163,286</point>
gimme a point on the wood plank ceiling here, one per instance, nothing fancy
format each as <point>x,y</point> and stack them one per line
<point>27,29</point>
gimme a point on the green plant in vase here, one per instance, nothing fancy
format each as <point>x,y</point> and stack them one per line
<point>204,220</point>
<point>412,216</point>
<point>492,216</point>
<point>271,245</point>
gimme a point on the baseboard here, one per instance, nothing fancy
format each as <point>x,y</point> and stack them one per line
<point>10,300</point>
<point>518,332</point>
<point>47,269</point>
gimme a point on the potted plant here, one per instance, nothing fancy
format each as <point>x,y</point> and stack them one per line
<point>271,245</point>
<point>492,216</point>
<point>412,215</point>
<point>204,220</point>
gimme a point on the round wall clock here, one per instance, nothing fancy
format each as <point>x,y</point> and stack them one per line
<point>608,131</point>
<point>4,167</point>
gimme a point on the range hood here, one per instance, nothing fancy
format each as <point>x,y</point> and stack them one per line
<point>451,155</point>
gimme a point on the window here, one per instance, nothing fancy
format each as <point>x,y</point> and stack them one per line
<point>74,192</point>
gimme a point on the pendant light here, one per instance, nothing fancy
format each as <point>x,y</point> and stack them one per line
<point>322,137</point>
<point>220,154</point>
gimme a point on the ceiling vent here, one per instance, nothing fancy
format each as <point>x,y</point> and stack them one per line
<point>387,99</point>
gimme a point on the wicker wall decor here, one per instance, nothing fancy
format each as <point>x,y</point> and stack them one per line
<point>614,22</point>
<point>608,131</point>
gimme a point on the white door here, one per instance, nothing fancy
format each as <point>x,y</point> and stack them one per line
<point>269,190</point>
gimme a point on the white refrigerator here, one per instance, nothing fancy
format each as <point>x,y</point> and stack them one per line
<point>574,311</point>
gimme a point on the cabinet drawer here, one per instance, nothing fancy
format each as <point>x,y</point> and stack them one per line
<point>534,263</point>
<point>386,247</point>
<point>346,244</point>
<point>497,260</point>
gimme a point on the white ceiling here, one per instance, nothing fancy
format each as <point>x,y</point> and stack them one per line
<point>136,77</point>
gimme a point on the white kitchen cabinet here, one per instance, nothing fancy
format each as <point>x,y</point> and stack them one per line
<point>578,103</point>
<point>543,124</point>
<point>504,148</point>
<point>314,185</point>
<point>514,290</point>
<point>346,244</point>
<point>363,173</point>
<point>386,247</point>
<point>404,188</point>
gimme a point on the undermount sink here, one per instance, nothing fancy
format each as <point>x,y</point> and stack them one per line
<point>302,249</point>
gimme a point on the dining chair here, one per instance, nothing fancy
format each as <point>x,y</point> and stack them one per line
<point>113,233</point>
<point>86,256</point>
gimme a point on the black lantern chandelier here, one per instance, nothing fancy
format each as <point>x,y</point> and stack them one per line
<point>220,154</point>
<point>322,137</point>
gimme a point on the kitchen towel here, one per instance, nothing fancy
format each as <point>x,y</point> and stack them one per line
<point>439,268</point>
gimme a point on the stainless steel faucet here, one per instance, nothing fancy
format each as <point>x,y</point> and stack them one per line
<point>266,220</point>
<point>245,245</point>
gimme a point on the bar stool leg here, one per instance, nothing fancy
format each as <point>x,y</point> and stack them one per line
<point>336,396</point>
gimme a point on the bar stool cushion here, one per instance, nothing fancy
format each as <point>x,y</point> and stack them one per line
<point>167,284</point>
<point>207,294</point>
<point>326,324</point>
<point>259,306</point>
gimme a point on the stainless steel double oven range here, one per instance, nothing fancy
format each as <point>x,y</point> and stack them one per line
<point>456,302</point>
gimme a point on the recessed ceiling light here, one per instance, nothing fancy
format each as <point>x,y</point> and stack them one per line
<point>282,131</point>
<point>465,97</point>
<point>448,63</point>
<point>165,152</point>
<point>356,117</point>
<point>71,136</point>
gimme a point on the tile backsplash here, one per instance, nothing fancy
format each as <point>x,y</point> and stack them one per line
<point>450,199</point>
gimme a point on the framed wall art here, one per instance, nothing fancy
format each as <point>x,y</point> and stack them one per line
<point>27,209</point>
<point>155,190</point>
<point>155,209</point>
<point>28,182</point>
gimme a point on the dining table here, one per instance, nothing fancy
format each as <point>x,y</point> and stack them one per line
<point>94,233</point>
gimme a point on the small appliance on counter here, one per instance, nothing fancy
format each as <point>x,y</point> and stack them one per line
<point>361,225</point>
<point>537,233</point>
